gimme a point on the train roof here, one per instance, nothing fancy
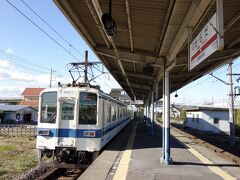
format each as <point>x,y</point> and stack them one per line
<point>86,88</point>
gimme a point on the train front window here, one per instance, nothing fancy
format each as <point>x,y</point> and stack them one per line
<point>67,108</point>
<point>48,107</point>
<point>88,108</point>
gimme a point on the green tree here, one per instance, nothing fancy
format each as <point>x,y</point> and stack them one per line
<point>237,117</point>
<point>159,116</point>
<point>182,115</point>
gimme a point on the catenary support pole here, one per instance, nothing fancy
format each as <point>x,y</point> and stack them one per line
<point>167,120</point>
<point>51,78</point>
<point>231,105</point>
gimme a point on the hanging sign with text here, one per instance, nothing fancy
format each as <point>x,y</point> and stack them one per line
<point>205,44</point>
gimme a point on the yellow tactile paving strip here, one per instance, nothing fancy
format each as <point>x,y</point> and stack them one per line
<point>122,170</point>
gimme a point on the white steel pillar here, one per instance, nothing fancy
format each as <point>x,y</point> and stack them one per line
<point>152,118</point>
<point>156,99</point>
<point>149,108</point>
<point>145,110</point>
<point>163,118</point>
<point>167,159</point>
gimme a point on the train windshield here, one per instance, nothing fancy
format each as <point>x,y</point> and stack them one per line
<point>67,110</point>
<point>48,107</point>
<point>88,108</point>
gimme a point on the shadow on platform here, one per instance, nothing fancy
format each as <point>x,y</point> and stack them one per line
<point>143,139</point>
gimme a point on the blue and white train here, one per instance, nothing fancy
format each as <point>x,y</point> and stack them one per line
<point>75,123</point>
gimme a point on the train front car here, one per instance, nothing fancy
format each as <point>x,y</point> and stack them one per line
<point>69,134</point>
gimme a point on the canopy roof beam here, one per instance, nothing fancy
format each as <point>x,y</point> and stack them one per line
<point>129,24</point>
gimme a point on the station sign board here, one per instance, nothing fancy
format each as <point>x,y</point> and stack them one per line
<point>138,102</point>
<point>205,44</point>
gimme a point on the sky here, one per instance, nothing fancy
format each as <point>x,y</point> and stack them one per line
<point>27,54</point>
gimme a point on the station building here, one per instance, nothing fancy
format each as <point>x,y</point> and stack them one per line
<point>208,119</point>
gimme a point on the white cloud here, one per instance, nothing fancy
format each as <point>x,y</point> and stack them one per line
<point>9,51</point>
<point>4,75</point>
<point>14,79</point>
<point>10,92</point>
<point>9,71</point>
<point>4,63</point>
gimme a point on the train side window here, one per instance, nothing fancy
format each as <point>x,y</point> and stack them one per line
<point>215,120</point>
<point>48,107</point>
<point>118,117</point>
<point>120,112</point>
<point>109,113</point>
<point>88,108</point>
<point>114,113</point>
<point>67,108</point>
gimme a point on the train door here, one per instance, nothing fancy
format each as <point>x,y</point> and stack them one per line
<point>109,117</point>
<point>103,121</point>
<point>67,132</point>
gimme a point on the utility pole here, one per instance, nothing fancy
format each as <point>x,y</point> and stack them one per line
<point>86,67</point>
<point>51,78</point>
<point>231,105</point>
<point>232,95</point>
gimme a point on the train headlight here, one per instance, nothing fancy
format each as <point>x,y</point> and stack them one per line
<point>89,133</point>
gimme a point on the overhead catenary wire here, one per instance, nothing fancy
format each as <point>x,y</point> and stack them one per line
<point>188,88</point>
<point>64,39</point>
<point>54,40</point>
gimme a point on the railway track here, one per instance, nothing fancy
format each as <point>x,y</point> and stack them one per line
<point>62,174</point>
<point>217,150</point>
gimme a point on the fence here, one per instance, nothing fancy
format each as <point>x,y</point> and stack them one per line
<point>17,130</point>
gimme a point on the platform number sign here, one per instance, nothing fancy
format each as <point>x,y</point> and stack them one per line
<point>205,44</point>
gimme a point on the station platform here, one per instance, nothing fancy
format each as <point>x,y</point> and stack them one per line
<point>135,155</point>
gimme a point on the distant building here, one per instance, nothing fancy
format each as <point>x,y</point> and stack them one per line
<point>175,110</point>
<point>17,114</point>
<point>11,101</point>
<point>31,97</point>
<point>208,119</point>
<point>120,94</point>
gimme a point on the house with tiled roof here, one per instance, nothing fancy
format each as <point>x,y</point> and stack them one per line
<point>31,97</point>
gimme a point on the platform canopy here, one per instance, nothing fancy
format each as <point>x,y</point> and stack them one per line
<point>152,34</point>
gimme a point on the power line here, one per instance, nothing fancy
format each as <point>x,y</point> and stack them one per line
<point>23,65</point>
<point>41,29</point>
<point>4,53</point>
<point>51,27</point>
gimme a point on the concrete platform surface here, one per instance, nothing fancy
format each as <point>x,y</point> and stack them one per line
<point>141,159</point>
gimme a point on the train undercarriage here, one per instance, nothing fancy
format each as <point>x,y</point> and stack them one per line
<point>66,157</point>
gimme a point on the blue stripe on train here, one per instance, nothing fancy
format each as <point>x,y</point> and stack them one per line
<point>79,133</point>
